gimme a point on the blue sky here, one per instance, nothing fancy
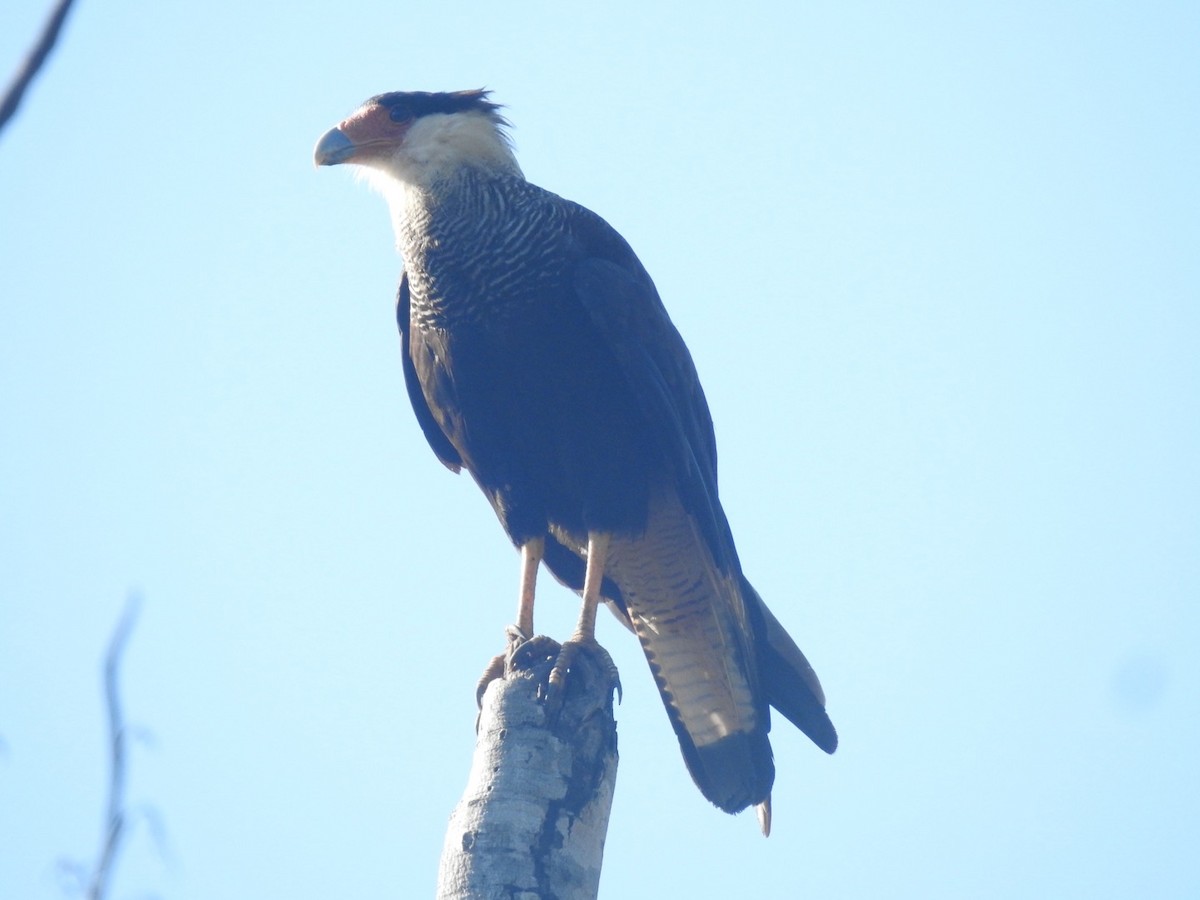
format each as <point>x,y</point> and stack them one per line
<point>938,268</point>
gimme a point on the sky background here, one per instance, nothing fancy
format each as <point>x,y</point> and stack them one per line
<point>939,267</point>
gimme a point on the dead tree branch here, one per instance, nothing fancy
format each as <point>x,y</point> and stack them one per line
<point>33,62</point>
<point>116,818</point>
<point>534,815</point>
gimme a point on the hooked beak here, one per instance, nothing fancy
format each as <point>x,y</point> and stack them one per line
<point>333,148</point>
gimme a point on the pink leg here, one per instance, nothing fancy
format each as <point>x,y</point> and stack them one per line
<point>522,630</point>
<point>584,637</point>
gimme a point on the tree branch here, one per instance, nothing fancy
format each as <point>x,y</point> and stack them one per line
<point>116,819</point>
<point>534,815</point>
<point>33,62</point>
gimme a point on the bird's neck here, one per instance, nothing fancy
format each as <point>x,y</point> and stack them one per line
<point>457,239</point>
<point>437,147</point>
<point>463,199</point>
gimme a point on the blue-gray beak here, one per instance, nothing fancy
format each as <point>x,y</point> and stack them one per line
<point>333,148</point>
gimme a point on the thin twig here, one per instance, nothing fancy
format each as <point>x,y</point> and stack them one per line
<point>115,818</point>
<point>33,62</point>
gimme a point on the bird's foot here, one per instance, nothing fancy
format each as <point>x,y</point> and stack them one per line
<point>570,651</point>
<point>501,662</point>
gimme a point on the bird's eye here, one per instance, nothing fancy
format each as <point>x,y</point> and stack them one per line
<point>399,114</point>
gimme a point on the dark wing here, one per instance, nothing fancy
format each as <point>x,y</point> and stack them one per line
<point>683,569</point>
<point>612,284</point>
<point>625,306</point>
<point>791,684</point>
<point>437,439</point>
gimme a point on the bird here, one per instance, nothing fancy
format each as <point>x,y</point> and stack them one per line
<point>539,357</point>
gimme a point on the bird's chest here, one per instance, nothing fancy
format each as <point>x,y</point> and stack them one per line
<point>520,366</point>
<point>538,409</point>
<point>521,380</point>
<point>496,296</point>
<point>513,368</point>
<point>527,380</point>
<point>500,271</point>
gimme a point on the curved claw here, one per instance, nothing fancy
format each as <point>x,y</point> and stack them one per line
<point>494,670</point>
<point>500,663</point>
<point>557,690</point>
<point>537,649</point>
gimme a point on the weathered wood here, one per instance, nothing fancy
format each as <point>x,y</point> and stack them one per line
<point>532,821</point>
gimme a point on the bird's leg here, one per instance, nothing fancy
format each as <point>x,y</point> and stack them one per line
<point>584,637</point>
<point>522,630</point>
<point>531,558</point>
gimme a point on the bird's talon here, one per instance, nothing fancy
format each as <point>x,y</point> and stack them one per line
<point>502,662</point>
<point>570,651</point>
<point>537,649</point>
<point>494,670</point>
<point>516,636</point>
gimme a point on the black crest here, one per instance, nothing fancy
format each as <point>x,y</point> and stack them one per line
<point>405,106</point>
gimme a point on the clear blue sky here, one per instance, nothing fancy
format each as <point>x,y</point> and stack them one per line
<point>939,267</point>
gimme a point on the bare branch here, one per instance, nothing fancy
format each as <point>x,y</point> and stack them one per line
<point>116,817</point>
<point>33,62</point>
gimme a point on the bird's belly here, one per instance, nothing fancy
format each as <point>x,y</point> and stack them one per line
<point>554,432</point>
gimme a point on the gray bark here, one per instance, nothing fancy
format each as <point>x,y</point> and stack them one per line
<point>532,821</point>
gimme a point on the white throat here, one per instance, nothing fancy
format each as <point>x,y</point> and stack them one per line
<point>437,146</point>
<point>434,150</point>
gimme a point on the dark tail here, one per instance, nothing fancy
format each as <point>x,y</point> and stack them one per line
<point>791,684</point>
<point>699,639</point>
<point>734,772</point>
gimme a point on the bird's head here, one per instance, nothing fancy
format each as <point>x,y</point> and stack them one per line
<point>418,138</point>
